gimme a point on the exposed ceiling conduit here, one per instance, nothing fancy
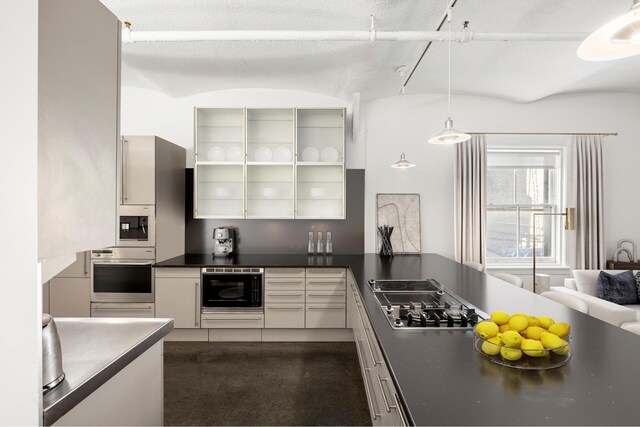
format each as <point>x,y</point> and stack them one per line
<point>464,36</point>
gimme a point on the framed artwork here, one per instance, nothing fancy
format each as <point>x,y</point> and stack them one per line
<point>402,212</point>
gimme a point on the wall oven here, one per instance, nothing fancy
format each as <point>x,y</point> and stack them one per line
<point>136,225</point>
<point>122,275</point>
<point>232,289</point>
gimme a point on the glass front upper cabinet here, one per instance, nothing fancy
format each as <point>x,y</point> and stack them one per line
<point>269,163</point>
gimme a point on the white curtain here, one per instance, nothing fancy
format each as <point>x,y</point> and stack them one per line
<point>470,172</point>
<point>588,176</point>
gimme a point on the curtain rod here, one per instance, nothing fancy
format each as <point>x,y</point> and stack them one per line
<point>545,133</point>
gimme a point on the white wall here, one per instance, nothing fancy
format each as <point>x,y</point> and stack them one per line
<point>146,112</point>
<point>20,291</point>
<point>405,123</point>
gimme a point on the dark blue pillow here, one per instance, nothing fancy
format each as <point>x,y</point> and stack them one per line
<point>638,284</point>
<point>619,288</point>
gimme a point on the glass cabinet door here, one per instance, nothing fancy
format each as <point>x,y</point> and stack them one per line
<point>219,191</point>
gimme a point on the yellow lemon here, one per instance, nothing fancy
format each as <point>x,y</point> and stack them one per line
<point>518,323</point>
<point>554,343</point>
<point>487,329</point>
<point>500,317</point>
<point>534,332</point>
<point>533,348</point>
<point>560,329</point>
<point>533,321</point>
<point>492,346</point>
<point>520,314</point>
<point>511,353</point>
<point>504,328</point>
<point>511,339</point>
<point>545,321</point>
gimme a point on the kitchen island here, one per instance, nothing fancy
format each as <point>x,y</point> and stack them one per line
<point>113,372</point>
<point>442,380</point>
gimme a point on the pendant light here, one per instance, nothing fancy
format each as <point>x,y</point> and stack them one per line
<point>618,39</point>
<point>403,163</point>
<point>449,135</point>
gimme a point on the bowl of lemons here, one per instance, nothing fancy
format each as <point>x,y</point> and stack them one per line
<point>522,341</point>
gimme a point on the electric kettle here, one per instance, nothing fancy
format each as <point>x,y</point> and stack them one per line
<point>52,374</point>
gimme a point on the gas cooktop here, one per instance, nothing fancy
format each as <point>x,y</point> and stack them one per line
<point>420,304</point>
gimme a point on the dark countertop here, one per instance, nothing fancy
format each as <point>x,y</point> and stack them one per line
<point>93,351</point>
<point>442,380</point>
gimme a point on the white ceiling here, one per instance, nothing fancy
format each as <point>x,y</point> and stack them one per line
<point>519,71</point>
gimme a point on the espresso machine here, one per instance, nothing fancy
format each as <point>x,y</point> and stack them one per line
<point>223,241</point>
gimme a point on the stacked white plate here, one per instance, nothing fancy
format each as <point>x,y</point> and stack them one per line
<point>263,154</point>
<point>310,154</point>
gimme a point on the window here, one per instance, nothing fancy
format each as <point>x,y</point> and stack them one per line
<point>519,184</point>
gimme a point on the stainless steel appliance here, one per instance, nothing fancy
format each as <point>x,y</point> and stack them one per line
<point>232,288</point>
<point>122,275</point>
<point>419,304</point>
<point>136,226</point>
<point>52,373</point>
<point>223,238</point>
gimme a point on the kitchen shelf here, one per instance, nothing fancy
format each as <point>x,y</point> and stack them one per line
<point>261,190</point>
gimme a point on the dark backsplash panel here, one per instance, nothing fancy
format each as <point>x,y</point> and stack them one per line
<point>282,236</point>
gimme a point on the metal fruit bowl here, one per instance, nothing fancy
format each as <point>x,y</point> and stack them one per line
<point>551,358</point>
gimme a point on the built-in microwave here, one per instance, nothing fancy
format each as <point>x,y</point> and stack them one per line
<point>136,225</point>
<point>232,288</point>
<point>123,275</point>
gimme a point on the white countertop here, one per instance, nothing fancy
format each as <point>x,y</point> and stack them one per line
<point>93,351</point>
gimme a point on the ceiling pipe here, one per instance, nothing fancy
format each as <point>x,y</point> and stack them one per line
<point>465,36</point>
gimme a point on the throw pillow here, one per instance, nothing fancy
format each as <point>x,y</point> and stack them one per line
<point>618,288</point>
<point>638,284</point>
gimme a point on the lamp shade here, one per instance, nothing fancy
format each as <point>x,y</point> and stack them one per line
<point>618,39</point>
<point>449,135</point>
<point>403,163</point>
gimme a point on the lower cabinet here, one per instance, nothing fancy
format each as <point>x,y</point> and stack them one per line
<point>325,315</point>
<point>284,298</point>
<point>286,315</point>
<point>178,296</point>
<point>382,397</point>
<point>325,298</point>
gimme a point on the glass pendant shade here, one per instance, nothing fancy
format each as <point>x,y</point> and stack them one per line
<point>618,39</point>
<point>403,163</point>
<point>449,135</point>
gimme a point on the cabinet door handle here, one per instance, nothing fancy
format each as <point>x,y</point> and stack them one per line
<point>384,395</point>
<point>299,294</point>
<point>195,320</point>
<point>333,294</point>
<point>403,420</point>
<point>124,170</point>
<point>86,255</point>
<point>374,412</point>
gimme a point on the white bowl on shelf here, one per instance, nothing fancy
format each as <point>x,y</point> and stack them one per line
<point>234,154</point>
<point>282,154</point>
<point>310,154</point>
<point>318,192</point>
<point>263,154</point>
<point>329,155</point>
<point>270,192</point>
<point>216,154</point>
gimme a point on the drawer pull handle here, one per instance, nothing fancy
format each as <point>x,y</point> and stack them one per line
<point>333,294</point>
<point>384,395</point>
<point>284,308</point>
<point>285,295</point>
<point>325,308</point>
<point>234,319</point>
<point>403,420</point>
<point>325,282</point>
<point>374,412</point>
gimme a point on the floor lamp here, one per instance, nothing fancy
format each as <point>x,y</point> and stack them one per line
<point>569,215</point>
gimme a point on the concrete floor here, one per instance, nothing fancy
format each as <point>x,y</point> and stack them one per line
<point>263,383</point>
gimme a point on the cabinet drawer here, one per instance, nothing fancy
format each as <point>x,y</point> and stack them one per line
<point>326,284</point>
<point>284,316</point>
<point>232,321</point>
<point>284,272</point>
<point>283,284</point>
<point>325,316</point>
<point>284,296</point>
<point>178,272</point>
<point>326,272</point>
<point>325,297</point>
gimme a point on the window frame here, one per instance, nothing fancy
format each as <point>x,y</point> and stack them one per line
<point>558,249</point>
